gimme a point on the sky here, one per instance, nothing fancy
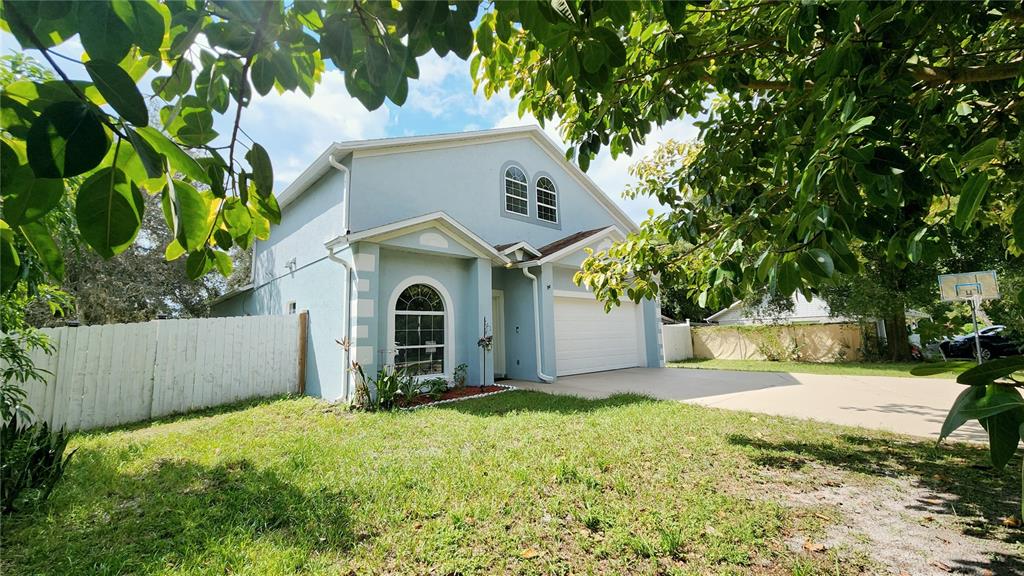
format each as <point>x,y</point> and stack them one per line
<point>295,129</point>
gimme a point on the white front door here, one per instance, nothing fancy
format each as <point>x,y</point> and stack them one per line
<point>589,340</point>
<point>498,343</point>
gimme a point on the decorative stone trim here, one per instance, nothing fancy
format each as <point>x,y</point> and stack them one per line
<point>506,387</point>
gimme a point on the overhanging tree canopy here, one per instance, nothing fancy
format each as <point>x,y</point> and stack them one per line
<point>823,126</point>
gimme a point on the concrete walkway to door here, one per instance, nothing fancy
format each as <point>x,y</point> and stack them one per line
<point>915,406</point>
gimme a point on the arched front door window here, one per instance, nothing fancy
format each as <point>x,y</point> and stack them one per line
<point>420,331</point>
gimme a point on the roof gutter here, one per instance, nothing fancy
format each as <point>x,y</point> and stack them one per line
<point>536,329</point>
<point>347,316</point>
<point>347,174</point>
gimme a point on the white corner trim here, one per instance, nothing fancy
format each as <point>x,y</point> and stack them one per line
<point>449,318</point>
<point>523,245</point>
<point>438,220</point>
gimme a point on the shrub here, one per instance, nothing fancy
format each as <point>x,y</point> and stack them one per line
<point>389,383</point>
<point>459,377</point>
<point>436,387</point>
<point>32,461</point>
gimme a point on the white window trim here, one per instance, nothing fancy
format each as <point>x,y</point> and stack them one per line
<point>553,191</point>
<point>449,322</point>
<point>526,184</point>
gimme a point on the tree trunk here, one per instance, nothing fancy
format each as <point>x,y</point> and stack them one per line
<point>897,337</point>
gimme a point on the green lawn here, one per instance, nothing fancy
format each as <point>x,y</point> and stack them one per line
<point>519,483</point>
<point>853,368</point>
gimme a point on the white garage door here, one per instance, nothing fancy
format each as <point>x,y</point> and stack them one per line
<point>589,340</point>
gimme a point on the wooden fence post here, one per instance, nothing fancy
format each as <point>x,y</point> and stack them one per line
<point>303,330</point>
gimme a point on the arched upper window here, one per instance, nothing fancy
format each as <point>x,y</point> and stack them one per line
<point>516,191</point>
<point>547,200</point>
<point>420,331</point>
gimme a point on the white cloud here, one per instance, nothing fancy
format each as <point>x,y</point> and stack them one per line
<point>297,129</point>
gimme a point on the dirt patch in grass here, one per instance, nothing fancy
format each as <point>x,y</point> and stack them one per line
<point>896,524</point>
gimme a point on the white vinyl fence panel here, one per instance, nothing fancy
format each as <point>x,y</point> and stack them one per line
<point>119,373</point>
<point>678,342</point>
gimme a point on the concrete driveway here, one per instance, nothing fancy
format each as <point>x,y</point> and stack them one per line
<point>915,406</point>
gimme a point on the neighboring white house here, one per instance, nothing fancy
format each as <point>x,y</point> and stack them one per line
<point>814,311</point>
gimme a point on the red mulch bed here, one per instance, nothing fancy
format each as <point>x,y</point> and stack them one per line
<point>464,392</point>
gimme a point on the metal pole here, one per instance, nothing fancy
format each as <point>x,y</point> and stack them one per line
<point>974,317</point>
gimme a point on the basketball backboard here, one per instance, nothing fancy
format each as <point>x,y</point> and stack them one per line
<point>969,286</point>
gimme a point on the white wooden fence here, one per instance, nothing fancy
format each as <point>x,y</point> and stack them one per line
<point>118,373</point>
<point>677,341</point>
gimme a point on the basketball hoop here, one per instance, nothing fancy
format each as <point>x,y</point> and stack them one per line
<point>973,287</point>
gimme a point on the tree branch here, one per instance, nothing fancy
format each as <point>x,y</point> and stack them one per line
<point>969,74</point>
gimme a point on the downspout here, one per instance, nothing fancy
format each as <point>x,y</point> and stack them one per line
<point>347,315</point>
<point>344,199</point>
<point>536,328</point>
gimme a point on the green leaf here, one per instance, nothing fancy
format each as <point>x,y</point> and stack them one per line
<point>956,418</point>
<point>971,195</point>
<point>236,216</point>
<point>119,90</point>
<point>173,251</point>
<point>179,160</point>
<point>104,34</point>
<point>485,38</point>
<point>146,22</point>
<point>459,35</point>
<point>109,211</point>
<point>10,263</point>
<point>1003,435</point>
<point>269,208</point>
<point>991,371</point>
<point>860,123</point>
<point>594,55</point>
<point>223,239</point>
<point>262,170</point>
<point>27,198</point>
<point>997,399</point>
<point>262,72</point>
<point>787,276</point>
<point>223,262</point>
<point>616,51</point>
<point>190,215</point>
<point>675,13</point>
<point>199,263</point>
<point>66,140</point>
<point>1017,224</point>
<point>151,160</point>
<point>39,239</point>
<point>817,262</point>
<point>980,154</point>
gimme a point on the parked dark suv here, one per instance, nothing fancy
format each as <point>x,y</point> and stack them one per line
<point>993,345</point>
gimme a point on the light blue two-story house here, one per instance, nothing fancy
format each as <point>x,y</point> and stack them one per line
<point>408,247</point>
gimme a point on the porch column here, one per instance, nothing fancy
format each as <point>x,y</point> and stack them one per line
<point>547,319</point>
<point>481,364</point>
<point>364,310</point>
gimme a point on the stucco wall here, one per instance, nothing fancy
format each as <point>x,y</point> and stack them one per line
<point>466,183</point>
<point>815,342</point>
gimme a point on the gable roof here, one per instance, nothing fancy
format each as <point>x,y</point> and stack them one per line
<point>438,220</point>
<point>322,164</point>
<point>563,243</point>
<point>567,245</point>
<point>523,245</point>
